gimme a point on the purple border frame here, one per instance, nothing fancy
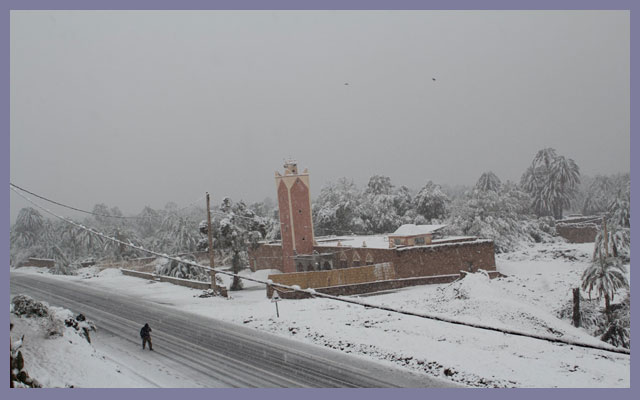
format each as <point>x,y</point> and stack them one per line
<point>268,394</point>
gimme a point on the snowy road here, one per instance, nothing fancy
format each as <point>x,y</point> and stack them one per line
<point>205,351</point>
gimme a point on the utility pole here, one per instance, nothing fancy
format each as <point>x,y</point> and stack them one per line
<point>214,285</point>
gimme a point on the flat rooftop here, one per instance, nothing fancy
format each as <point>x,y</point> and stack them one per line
<point>376,241</point>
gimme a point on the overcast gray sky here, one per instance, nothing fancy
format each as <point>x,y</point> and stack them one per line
<point>141,108</point>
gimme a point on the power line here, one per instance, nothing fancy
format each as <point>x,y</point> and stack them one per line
<point>313,293</point>
<point>70,207</point>
<point>192,203</point>
<point>93,213</point>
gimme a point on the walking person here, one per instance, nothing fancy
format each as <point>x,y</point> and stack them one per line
<point>145,334</point>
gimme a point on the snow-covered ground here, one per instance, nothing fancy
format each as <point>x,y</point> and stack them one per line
<point>539,281</point>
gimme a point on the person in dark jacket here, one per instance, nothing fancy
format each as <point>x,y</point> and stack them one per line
<point>145,334</point>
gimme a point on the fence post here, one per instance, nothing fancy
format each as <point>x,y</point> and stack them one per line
<point>576,307</point>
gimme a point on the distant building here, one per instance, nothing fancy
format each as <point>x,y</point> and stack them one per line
<point>38,262</point>
<point>411,251</point>
<point>579,228</point>
<point>413,235</point>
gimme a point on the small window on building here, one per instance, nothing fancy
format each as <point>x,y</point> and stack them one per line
<point>398,242</point>
<point>299,267</point>
<point>419,240</point>
<point>326,266</point>
<point>343,260</point>
<point>356,263</point>
<point>369,259</point>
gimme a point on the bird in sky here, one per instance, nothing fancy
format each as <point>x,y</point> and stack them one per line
<point>433,79</point>
<point>346,83</point>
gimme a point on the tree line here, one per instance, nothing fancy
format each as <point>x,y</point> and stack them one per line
<point>507,212</point>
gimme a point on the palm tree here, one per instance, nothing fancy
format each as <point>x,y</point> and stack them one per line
<point>532,182</point>
<point>71,238</point>
<point>620,207</point>
<point>89,241</point>
<point>564,176</point>
<point>544,158</point>
<point>488,182</point>
<point>28,227</point>
<point>598,195</point>
<point>551,181</point>
<point>606,276</point>
<point>179,233</point>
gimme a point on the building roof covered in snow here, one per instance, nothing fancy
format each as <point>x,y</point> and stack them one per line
<point>377,241</point>
<point>372,241</point>
<point>413,230</point>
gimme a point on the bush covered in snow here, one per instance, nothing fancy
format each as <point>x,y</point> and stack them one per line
<point>24,305</point>
<point>54,320</point>
<point>183,270</point>
<point>38,324</point>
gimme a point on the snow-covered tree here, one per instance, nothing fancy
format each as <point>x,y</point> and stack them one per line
<point>402,200</point>
<point>338,209</point>
<point>62,265</point>
<point>379,185</point>
<point>70,240</point>
<point>551,181</point>
<point>563,179</point>
<point>488,182</point>
<point>606,276</point>
<point>28,227</point>
<point>615,240</point>
<point>379,206</point>
<point>431,202</point>
<point>179,234</point>
<point>101,211</point>
<point>237,230</point>
<point>598,195</point>
<point>119,251</point>
<point>149,222</point>
<point>619,208</point>
<point>500,215</point>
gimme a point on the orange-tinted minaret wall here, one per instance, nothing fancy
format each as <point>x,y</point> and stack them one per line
<point>294,203</point>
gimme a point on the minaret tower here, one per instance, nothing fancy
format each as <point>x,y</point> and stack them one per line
<point>294,203</point>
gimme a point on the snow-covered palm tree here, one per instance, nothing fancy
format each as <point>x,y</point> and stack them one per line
<point>70,237</point>
<point>544,158</point>
<point>619,208</point>
<point>564,176</point>
<point>180,232</point>
<point>28,227</point>
<point>598,195</point>
<point>488,182</point>
<point>89,242</point>
<point>551,182</point>
<point>61,265</point>
<point>605,276</point>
